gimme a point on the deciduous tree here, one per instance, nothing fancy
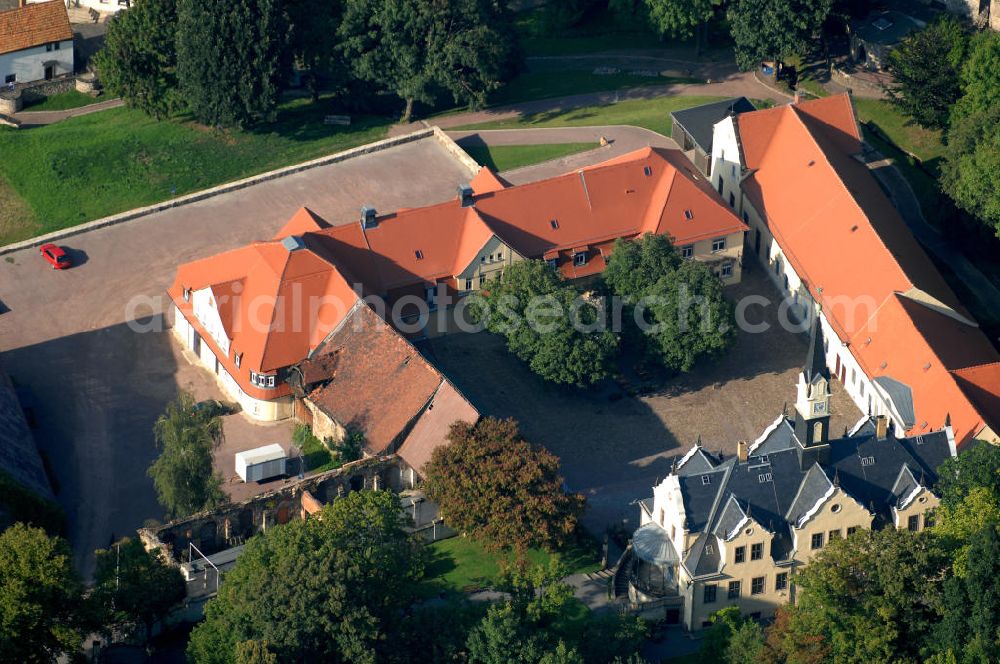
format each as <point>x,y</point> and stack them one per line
<point>231,59</point>
<point>139,59</point>
<point>40,597</point>
<point>183,474</point>
<point>134,588</point>
<point>774,29</point>
<point>925,68</point>
<point>498,488</point>
<point>681,18</point>
<point>548,324</point>
<point>328,589</point>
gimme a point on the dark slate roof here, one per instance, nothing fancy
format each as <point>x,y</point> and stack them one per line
<point>901,396</point>
<point>816,358</point>
<point>774,488</point>
<point>703,556</point>
<point>886,27</point>
<point>904,487</point>
<point>699,120</point>
<point>815,486</point>
<point>695,462</point>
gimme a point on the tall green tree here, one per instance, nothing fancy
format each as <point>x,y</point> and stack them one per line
<point>40,597</point>
<point>314,45</point>
<point>732,638</point>
<point>328,589</point>
<point>134,588</point>
<point>232,59</point>
<point>492,484</point>
<point>183,473</point>
<point>970,625</point>
<point>139,59</point>
<point>774,29</point>
<point>637,265</point>
<point>416,48</point>
<point>977,467</point>
<point>681,18</point>
<point>547,323</point>
<point>926,68</point>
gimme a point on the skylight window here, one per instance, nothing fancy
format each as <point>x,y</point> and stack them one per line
<point>706,479</point>
<point>868,461</point>
<point>648,171</point>
<point>419,254</point>
<point>554,223</point>
<point>688,214</point>
<point>765,477</point>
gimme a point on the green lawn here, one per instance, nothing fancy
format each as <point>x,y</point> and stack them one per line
<point>100,164</point>
<point>924,144</point>
<point>649,113</point>
<point>62,101</point>
<point>507,157</point>
<point>565,82</point>
<point>459,564</point>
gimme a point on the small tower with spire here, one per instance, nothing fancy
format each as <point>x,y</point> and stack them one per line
<point>812,402</point>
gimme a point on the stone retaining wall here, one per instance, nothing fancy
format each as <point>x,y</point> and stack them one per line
<point>854,83</point>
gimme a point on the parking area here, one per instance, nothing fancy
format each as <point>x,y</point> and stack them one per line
<point>100,384</point>
<point>616,441</point>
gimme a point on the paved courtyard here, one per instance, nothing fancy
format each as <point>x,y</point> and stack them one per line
<point>100,385</point>
<point>614,447</point>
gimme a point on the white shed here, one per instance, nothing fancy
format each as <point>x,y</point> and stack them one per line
<point>261,463</point>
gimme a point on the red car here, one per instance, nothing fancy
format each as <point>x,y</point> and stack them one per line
<point>56,256</point>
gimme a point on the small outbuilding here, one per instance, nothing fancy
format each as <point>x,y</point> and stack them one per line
<point>693,127</point>
<point>873,38</point>
<point>36,43</point>
<point>261,463</point>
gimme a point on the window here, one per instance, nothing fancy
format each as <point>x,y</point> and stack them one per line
<point>187,294</point>
<point>706,479</point>
<point>757,551</point>
<point>580,258</point>
<point>10,79</point>
<point>482,280</point>
<point>709,550</point>
<point>913,523</point>
<point>817,541</point>
<point>741,554</point>
<point>554,223</point>
<point>732,200</point>
<point>763,478</point>
<point>647,170</point>
<point>757,585</point>
<point>833,534</point>
<point>746,220</point>
<point>868,461</point>
<point>57,46</point>
<point>553,262</point>
<point>687,251</point>
<point>270,381</point>
<point>710,590</point>
<point>781,581</point>
<point>430,292</point>
<point>48,47</point>
<point>468,284</point>
<point>720,185</point>
<point>734,590</point>
<point>727,270</point>
<point>732,170</point>
<point>689,215</point>
<point>237,358</point>
<point>718,244</point>
<point>851,530</point>
<point>929,520</point>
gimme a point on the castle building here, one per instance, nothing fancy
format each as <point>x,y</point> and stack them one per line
<point>733,532</point>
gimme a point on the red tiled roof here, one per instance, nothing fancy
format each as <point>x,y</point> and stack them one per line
<point>431,430</point>
<point>380,382</point>
<point>853,251</point>
<point>981,384</point>
<point>34,25</point>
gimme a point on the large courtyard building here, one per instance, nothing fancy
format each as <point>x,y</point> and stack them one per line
<point>254,315</point>
<point>899,340</point>
<point>733,532</point>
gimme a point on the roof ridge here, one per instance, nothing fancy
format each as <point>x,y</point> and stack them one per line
<point>974,366</point>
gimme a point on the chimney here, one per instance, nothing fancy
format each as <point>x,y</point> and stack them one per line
<point>22,3</point>
<point>881,427</point>
<point>465,195</point>
<point>742,451</point>
<point>368,219</point>
<point>797,98</point>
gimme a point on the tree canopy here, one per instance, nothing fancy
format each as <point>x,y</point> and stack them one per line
<point>547,323</point>
<point>774,29</point>
<point>183,473</point>
<point>139,58</point>
<point>328,589</point>
<point>498,488</point>
<point>40,597</point>
<point>926,67</point>
<point>231,59</point>
<point>134,588</point>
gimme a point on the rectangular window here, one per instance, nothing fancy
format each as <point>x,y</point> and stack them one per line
<point>10,79</point>
<point>687,251</point>
<point>832,535</point>
<point>757,585</point>
<point>929,520</point>
<point>757,551</point>
<point>709,597</point>
<point>741,554</point>
<point>468,284</point>
<point>720,185</point>
<point>817,541</point>
<point>270,381</point>
<point>48,48</point>
<point>718,244</point>
<point>781,581</point>
<point>851,530</point>
<point>727,270</point>
<point>732,200</point>
<point>482,280</point>
<point>734,590</point>
<point>553,262</point>
<point>746,220</point>
<point>913,523</point>
<point>580,259</point>
<point>57,46</point>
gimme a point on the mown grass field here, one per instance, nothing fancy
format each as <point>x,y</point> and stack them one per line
<point>565,82</point>
<point>63,101</point>
<point>507,157</point>
<point>91,166</point>
<point>924,144</point>
<point>652,114</point>
<point>460,564</point>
